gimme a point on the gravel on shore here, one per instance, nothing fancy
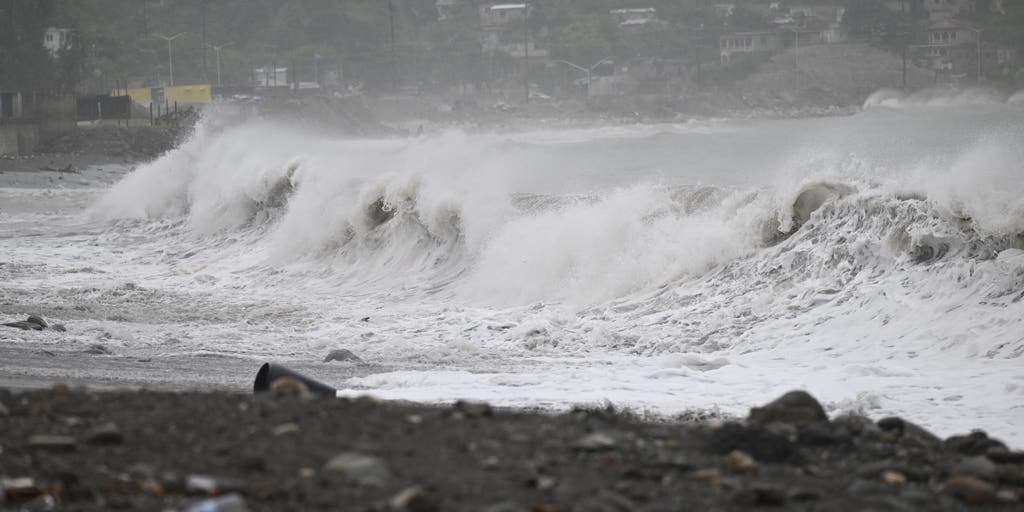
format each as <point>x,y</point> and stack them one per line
<point>74,449</point>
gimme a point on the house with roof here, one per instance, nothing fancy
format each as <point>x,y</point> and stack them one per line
<point>739,44</point>
<point>952,49</point>
<point>57,40</point>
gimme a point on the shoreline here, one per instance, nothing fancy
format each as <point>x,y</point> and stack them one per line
<point>84,450</point>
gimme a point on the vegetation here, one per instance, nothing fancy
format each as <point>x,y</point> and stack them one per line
<point>388,43</point>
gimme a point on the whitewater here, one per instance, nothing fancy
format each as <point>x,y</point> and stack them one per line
<point>875,260</point>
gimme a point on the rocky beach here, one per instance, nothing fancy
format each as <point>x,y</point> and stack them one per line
<point>75,449</point>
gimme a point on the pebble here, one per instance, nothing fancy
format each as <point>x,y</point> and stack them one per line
<point>342,354</point>
<point>595,442</point>
<point>893,477</point>
<point>226,503</point>
<point>504,506</point>
<point>760,494</point>
<point>908,431</point>
<point>1004,456</point>
<point>740,462</point>
<point>1007,496</point>
<point>414,499</point>
<point>758,441</point>
<point>360,468</point>
<point>474,409</point>
<point>975,443</point>
<point>287,386</point>
<point>52,443</point>
<point>19,488</point>
<point>107,433</point>
<point>285,429</point>
<point>977,466</point>
<point>794,408</point>
<point>970,490</point>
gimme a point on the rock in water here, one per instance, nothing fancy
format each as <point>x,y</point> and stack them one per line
<point>25,326</point>
<point>342,354</point>
<point>360,468</point>
<point>794,408</point>
<point>38,321</point>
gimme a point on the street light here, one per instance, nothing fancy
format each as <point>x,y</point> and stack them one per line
<point>216,50</point>
<point>589,71</point>
<point>170,60</point>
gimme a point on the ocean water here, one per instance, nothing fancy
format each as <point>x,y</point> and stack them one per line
<point>875,260</point>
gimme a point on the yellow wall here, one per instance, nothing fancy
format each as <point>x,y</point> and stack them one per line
<point>198,93</point>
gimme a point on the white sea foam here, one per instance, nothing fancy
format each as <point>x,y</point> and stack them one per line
<point>875,260</point>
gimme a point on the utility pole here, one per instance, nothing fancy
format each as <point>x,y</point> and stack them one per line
<point>203,22</point>
<point>526,49</point>
<point>216,50</point>
<point>391,20</point>
<point>170,55</point>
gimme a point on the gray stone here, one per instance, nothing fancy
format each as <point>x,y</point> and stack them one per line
<point>414,499</point>
<point>474,409</point>
<point>595,442</point>
<point>342,354</point>
<point>360,468</point>
<point>504,506</point>
<point>970,490</point>
<point>975,443</point>
<point>98,349</point>
<point>908,432</point>
<point>59,327</point>
<point>107,434</point>
<point>25,326</point>
<point>52,443</point>
<point>226,503</point>
<point>978,466</point>
<point>794,408</point>
<point>1004,456</point>
<point>37,320</point>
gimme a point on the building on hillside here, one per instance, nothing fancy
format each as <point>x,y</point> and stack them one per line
<point>951,49</point>
<point>637,20</point>
<point>748,43</point>
<point>807,24</point>
<point>723,11</point>
<point>57,40</point>
<point>942,10</point>
<point>497,16</point>
<point>502,31</point>
<point>445,9</point>
<point>10,105</point>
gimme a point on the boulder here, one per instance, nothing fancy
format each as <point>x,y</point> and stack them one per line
<point>794,408</point>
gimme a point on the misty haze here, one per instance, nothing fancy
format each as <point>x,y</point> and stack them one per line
<point>517,255</point>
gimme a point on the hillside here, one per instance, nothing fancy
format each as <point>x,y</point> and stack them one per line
<point>821,75</point>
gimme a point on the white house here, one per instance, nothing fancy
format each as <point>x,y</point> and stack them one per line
<point>57,40</point>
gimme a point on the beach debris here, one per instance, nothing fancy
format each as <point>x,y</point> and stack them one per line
<point>360,468</point>
<point>106,434</point>
<point>342,354</point>
<point>794,408</point>
<point>52,443</point>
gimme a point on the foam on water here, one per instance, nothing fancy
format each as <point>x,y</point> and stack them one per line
<point>876,260</point>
